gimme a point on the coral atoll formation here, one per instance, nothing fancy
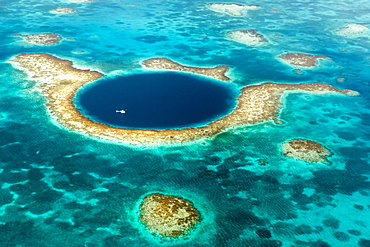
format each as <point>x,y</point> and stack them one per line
<point>60,81</point>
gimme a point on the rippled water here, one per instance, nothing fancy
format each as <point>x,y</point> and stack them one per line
<point>60,188</point>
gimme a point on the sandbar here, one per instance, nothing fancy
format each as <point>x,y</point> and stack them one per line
<point>59,82</point>
<point>276,11</point>
<point>302,59</point>
<point>167,64</point>
<point>41,39</point>
<point>231,8</point>
<point>78,51</point>
<point>351,29</point>
<point>305,150</point>
<point>247,37</point>
<point>168,216</point>
<point>63,11</point>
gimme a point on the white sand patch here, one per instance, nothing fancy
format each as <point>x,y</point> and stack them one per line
<point>232,8</point>
<point>351,29</point>
<point>247,37</point>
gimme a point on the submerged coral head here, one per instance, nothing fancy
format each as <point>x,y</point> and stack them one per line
<point>168,216</point>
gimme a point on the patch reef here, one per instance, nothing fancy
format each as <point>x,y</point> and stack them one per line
<point>247,37</point>
<point>168,216</point>
<point>305,150</point>
<point>302,59</point>
<point>63,11</point>
<point>352,29</point>
<point>231,8</point>
<point>41,39</point>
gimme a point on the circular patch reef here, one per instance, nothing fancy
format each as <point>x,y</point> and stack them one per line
<point>306,150</point>
<point>156,101</point>
<point>168,216</point>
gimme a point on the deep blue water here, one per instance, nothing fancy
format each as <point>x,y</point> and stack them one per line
<point>157,100</point>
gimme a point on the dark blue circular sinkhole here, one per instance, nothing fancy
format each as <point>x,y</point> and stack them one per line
<point>156,101</point>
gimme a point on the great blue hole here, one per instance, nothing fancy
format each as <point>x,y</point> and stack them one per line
<point>156,101</point>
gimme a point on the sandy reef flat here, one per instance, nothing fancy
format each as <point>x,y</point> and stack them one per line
<point>60,81</point>
<point>352,29</point>
<point>305,150</point>
<point>231,8</point>
<point>41,39</point>
<point>63,11</point>
<point>247,37</point>
<point>167,64</point>
<point>302,59</point>
<point>168,216</point>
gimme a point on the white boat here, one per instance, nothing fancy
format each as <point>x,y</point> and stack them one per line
<point>121,111</point>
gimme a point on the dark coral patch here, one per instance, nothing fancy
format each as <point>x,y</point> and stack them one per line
<point>354,232</point>
<point>151,38</point>
<point>364,242</point>
<point>341,236</point>
<point>331,222</point>
<point>263,233</point>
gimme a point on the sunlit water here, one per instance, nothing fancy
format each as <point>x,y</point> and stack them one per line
<point>60,188</point>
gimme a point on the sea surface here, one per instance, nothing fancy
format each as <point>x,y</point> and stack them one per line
<point>158,101</point>
<point>61,188</point>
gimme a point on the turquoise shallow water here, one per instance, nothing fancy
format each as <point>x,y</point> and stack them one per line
<point>59,188</point>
